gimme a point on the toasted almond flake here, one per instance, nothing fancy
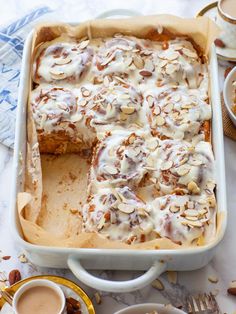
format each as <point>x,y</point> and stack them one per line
<point>170,68</point>
<point>157,284</point>
<point>150,101</point>
<point>74,210</point>
<point>57,75</point>
<point>128,61</point>
<point>145,73</point>
<point>157,110</point>
<point>23,259</point>
<point>168,108</point>
<point>197,224</point>
<point>123,116</point>
<point>86,93</point>
<point>193,187</point>
<point>83,103</point>
<point>174,209</point>
<point>172,277</point>
<point>84,44</point>
<point>152,144</point>
<point>101,223</point>
<point>77,117</point>
<point>153,180</point>
<point>106,81</point>
<point>183,170</point>
<point>192,218</point>
<point>149,65</point>
<point>62,61</point>
<point>131,153</point>
<point>160,120</point>
<point>186,106</point>
<point>172,56</point>
<point>166,165</point>
<point>131,138</point>
<point>213,279</point>
<point>163,63</point>
<point>126,208</point>
<point>98,298</point>
<point>196,162</point>
<point>127,110</point>
<point>189,53</point>
<point>111,169</point>
<point>212,201</point>
<point>138,62</point>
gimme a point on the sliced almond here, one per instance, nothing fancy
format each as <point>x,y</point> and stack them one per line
<point>138,62</point>
<point>160,120</point>
<point>126,208</point>
<point>193,187</point>
<point>166,165</point>
<point>57,75</point>
<point>196,162</point>
<point>191,218</point>
<point>77,117</point>
<point>149,65</point>
<point>101,223</point>
<point>170,69</point>
<point>128,61</point>
<point>157,110</point>
<point>186,106</point>
<point>196,224</point>
<point>145,73</point>
<point>123,116</point>
<point>213,279</point>
<point>189,53</point>
<point>174,209</point>
<point>84,44</point>
<point>211,201</point>
<point>131,138</point>
<point>62,61</point>
<point>150,101</point>
<point>183,170</point>
<point>202,212</point>
<point>168,108</point>
<point>157,284</point>
<point>106,81</point>
<point>152,144</point>
<point>162,63</point>
<point>83,103</point>
<point>172,277</point>
<point>127,110</point>
<point>86,93</point>
<point>111,169</point>
<point>98,298</point>
<point>172,56</point>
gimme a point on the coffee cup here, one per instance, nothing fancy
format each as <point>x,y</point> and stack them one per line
<point>39,296</point>
<point>226,19</point>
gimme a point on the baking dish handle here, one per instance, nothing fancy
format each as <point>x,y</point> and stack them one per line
<point>117,12</point>
<point>115,286</point>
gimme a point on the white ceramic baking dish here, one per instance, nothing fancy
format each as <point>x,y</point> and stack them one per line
<point>154,262</point>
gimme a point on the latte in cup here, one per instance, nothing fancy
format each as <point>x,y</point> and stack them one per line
<point>226,19</point>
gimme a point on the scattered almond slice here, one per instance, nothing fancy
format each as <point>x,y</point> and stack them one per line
<point>163,63</point>
<point>62,61</point>
<point>193,187</point>
<point>22,258</point>
<point>166,165</point>
<point>84,44</point>
<point>172,277</point>
<point>191,212</point>
<point>157,111</point>
<point>183,170</point>
<point>174,209</point>
<point>127,110</point>
<point>126,208</point>
<point>172,56</point>
<point>77,117</point>
<point>213,279</point>
<point>150,101</point>
<point>160,120</point>
<point>189,53</point>
<point>106,81</point>
<point>138,62</point>
<point>170,69</point>
<point>168,108</point>
<point>57,75</point>
<point>83,103</point>
<point>157,284</point>
<point>98,298</point>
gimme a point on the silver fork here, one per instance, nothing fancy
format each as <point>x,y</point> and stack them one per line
<point>202,304</point>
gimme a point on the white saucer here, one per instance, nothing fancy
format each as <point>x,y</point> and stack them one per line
<point>210,11</point>
<point>149,307</point>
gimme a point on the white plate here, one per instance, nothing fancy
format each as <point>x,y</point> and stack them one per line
<point>149,307</point>
<point>210,11</point>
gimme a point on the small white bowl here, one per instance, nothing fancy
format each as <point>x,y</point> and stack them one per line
<point>39,283</point>
<point>228,93</point>
<point>149,307</point>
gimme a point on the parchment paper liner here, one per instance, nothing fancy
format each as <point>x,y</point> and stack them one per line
<point>30,203</point>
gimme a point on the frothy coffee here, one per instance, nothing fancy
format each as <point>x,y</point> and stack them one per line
<point>39,300</point>
<point>229,7</point>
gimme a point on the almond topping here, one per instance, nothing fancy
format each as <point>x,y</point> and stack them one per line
<point>193,187</point>
<point>62,61</point>
<point>170,69</point>
<point>157,110</point>
<point>166,165</point>
<point>150,101</point>
<point>77,117</point>
<point>174,209</point>
<point>149,65</point>
<point>189,53</point>
<point>157,284</point>
<point>163,63</point>
<point>125,208</point>
<point>86,93</point>
<point>138,62</point>
<point>83,103</point>
<point>84,44</point>
<point>106,81</point>
<point>57,75</point>
<point>152,144</point>
<point>160,121</point>
<point>172,277</point>
<point>127,110</point>
<point>131,138</point>
<point>168,108</point>
<point>172,56</point>
<point>183,170</point>
<point>213,279</point>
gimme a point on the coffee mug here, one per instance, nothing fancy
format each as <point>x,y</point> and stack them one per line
<point>24,294</point>
<point>226,19</point>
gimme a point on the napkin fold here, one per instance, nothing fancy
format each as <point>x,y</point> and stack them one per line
<point>12,39</point>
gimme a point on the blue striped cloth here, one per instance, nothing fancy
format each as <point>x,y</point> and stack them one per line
<point>11,48</point>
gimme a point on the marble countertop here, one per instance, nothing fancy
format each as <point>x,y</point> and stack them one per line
<point>223,264</point>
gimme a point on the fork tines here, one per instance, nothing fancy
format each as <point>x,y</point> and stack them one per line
<point>202,304</point>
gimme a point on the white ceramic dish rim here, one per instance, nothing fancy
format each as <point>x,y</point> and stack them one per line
<point>144,307</point>
<point>227,93</point>
<point>157,259</point>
